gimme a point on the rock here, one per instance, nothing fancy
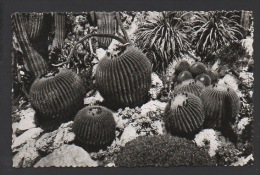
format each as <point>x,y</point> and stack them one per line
<point>210,139</point>
<point>53,140</point>
<point>67,156</point>
<point>247,79</point>
<point>248,45</point>
<point>216,65</point>
<point>25,137</point>
<point>14,128</point>
<point>243,160</point>
<point>27,120</point>
<point>156,86</point>
<point>230,81</point>
<point>242,124</point>
<point>152,105</point>
<point>100,53</point>
<point>120,123</point>
<point>27,156</point>
<point>128,134</point>
<point>94,99</point>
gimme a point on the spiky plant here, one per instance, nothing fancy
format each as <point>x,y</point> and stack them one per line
<point>162,151</point>
<point>191,86</point>
<point>183,76</point>
<point>214,29</point>
<point>204,79</point>
<point>184,115</point>
<point>165,36</point>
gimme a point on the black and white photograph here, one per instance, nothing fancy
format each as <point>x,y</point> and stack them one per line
<point>132,89</point>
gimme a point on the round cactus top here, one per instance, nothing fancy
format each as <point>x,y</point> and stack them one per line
<point>179,100</point>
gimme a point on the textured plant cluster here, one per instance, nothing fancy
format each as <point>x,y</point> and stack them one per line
<point>175,89</point>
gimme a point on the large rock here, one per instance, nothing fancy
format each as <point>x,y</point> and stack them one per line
<point>27,120</point>
<point>53,140</point>
<point>27,156</point>
<point>27,136</point>
<point>153,106</point>
<point>67,156</point>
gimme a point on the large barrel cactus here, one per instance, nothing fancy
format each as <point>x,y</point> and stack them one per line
<point>34,62</point>
<point>94,127</point>
<point>221,105</point>
<point>191,86</point>
<point>184,115</point>
<point>198,68</point>
<point>124,81</point>
<point>56,97</point>
<point>106,23</point>
<point>204,79</point>
<point>60,30</point>
<point>182,65</point>
<point>162,151</point>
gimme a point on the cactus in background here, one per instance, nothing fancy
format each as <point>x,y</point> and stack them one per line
<point>56,97</point>
<point>124,81</point>
<point>162,151</point>
<point>60,30</point>
<point>184,115</point>
<point>106,23</point>
<point>198,68</point>
<point>182,65</point>
<point>221,105</point>
<point>183,76</point>
<point>213,76</point>
<point>34,62</point>
<point>204,79</point>
<point>94,127</point>
<point>191,86</point>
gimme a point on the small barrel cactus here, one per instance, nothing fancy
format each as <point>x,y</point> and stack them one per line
<point>94,127</point>
<point>124,81</point>
<point>34,62</point>
<point>106,23</point>
<point>198,68</point>
<point>182,65</point>
<point>56,97</point>
<point>184,115</point>
<point>221,105</point>
<point>204,79</point>
<point>191,86</point>
<point>162,151</point>
<point>183,76</point>
<point>213,75</point>
<point>60,30</point>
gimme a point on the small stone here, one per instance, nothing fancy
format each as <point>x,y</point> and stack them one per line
<point>92,100</point>
<point>27,156</point>
<point>67,156</point>
<point>25,137</point>
<point>27,119</point>
<point>128,134</point>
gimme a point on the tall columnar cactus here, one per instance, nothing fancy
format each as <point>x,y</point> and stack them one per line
<point>221,106</point>
<point>182,65</point>
<point>124,81</point>
<point>94,127</point>
<point>184,114</point>
<point>56,97</point>
<point>60,30</point>
<point>191,86</point>
<point>183,76</point>
<point>197,69</point>
<point>34,62</point>
<point>106,23</point>
<point>204,79</point>
<point>162,151</point>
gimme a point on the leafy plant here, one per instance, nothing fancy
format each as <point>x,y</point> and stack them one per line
<point>214,29</point>
<point>164,38</point>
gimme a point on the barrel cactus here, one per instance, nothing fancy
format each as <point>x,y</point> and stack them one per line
<point>183,76</point>
<point>94,127</point>
<point>204,79</point>
<point>213,75</point>
<point>221,104</point>
<point>162,151</point>
<point>34,62</point>
<point>56,97</point>
<point>191,86</point>
<point>106,23</point>
<point>184,115</point>
<point>182,65</point>
<point>124,81</point>
<point>198,68</point>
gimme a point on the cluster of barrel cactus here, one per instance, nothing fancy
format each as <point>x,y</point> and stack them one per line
<point>195,103</point>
